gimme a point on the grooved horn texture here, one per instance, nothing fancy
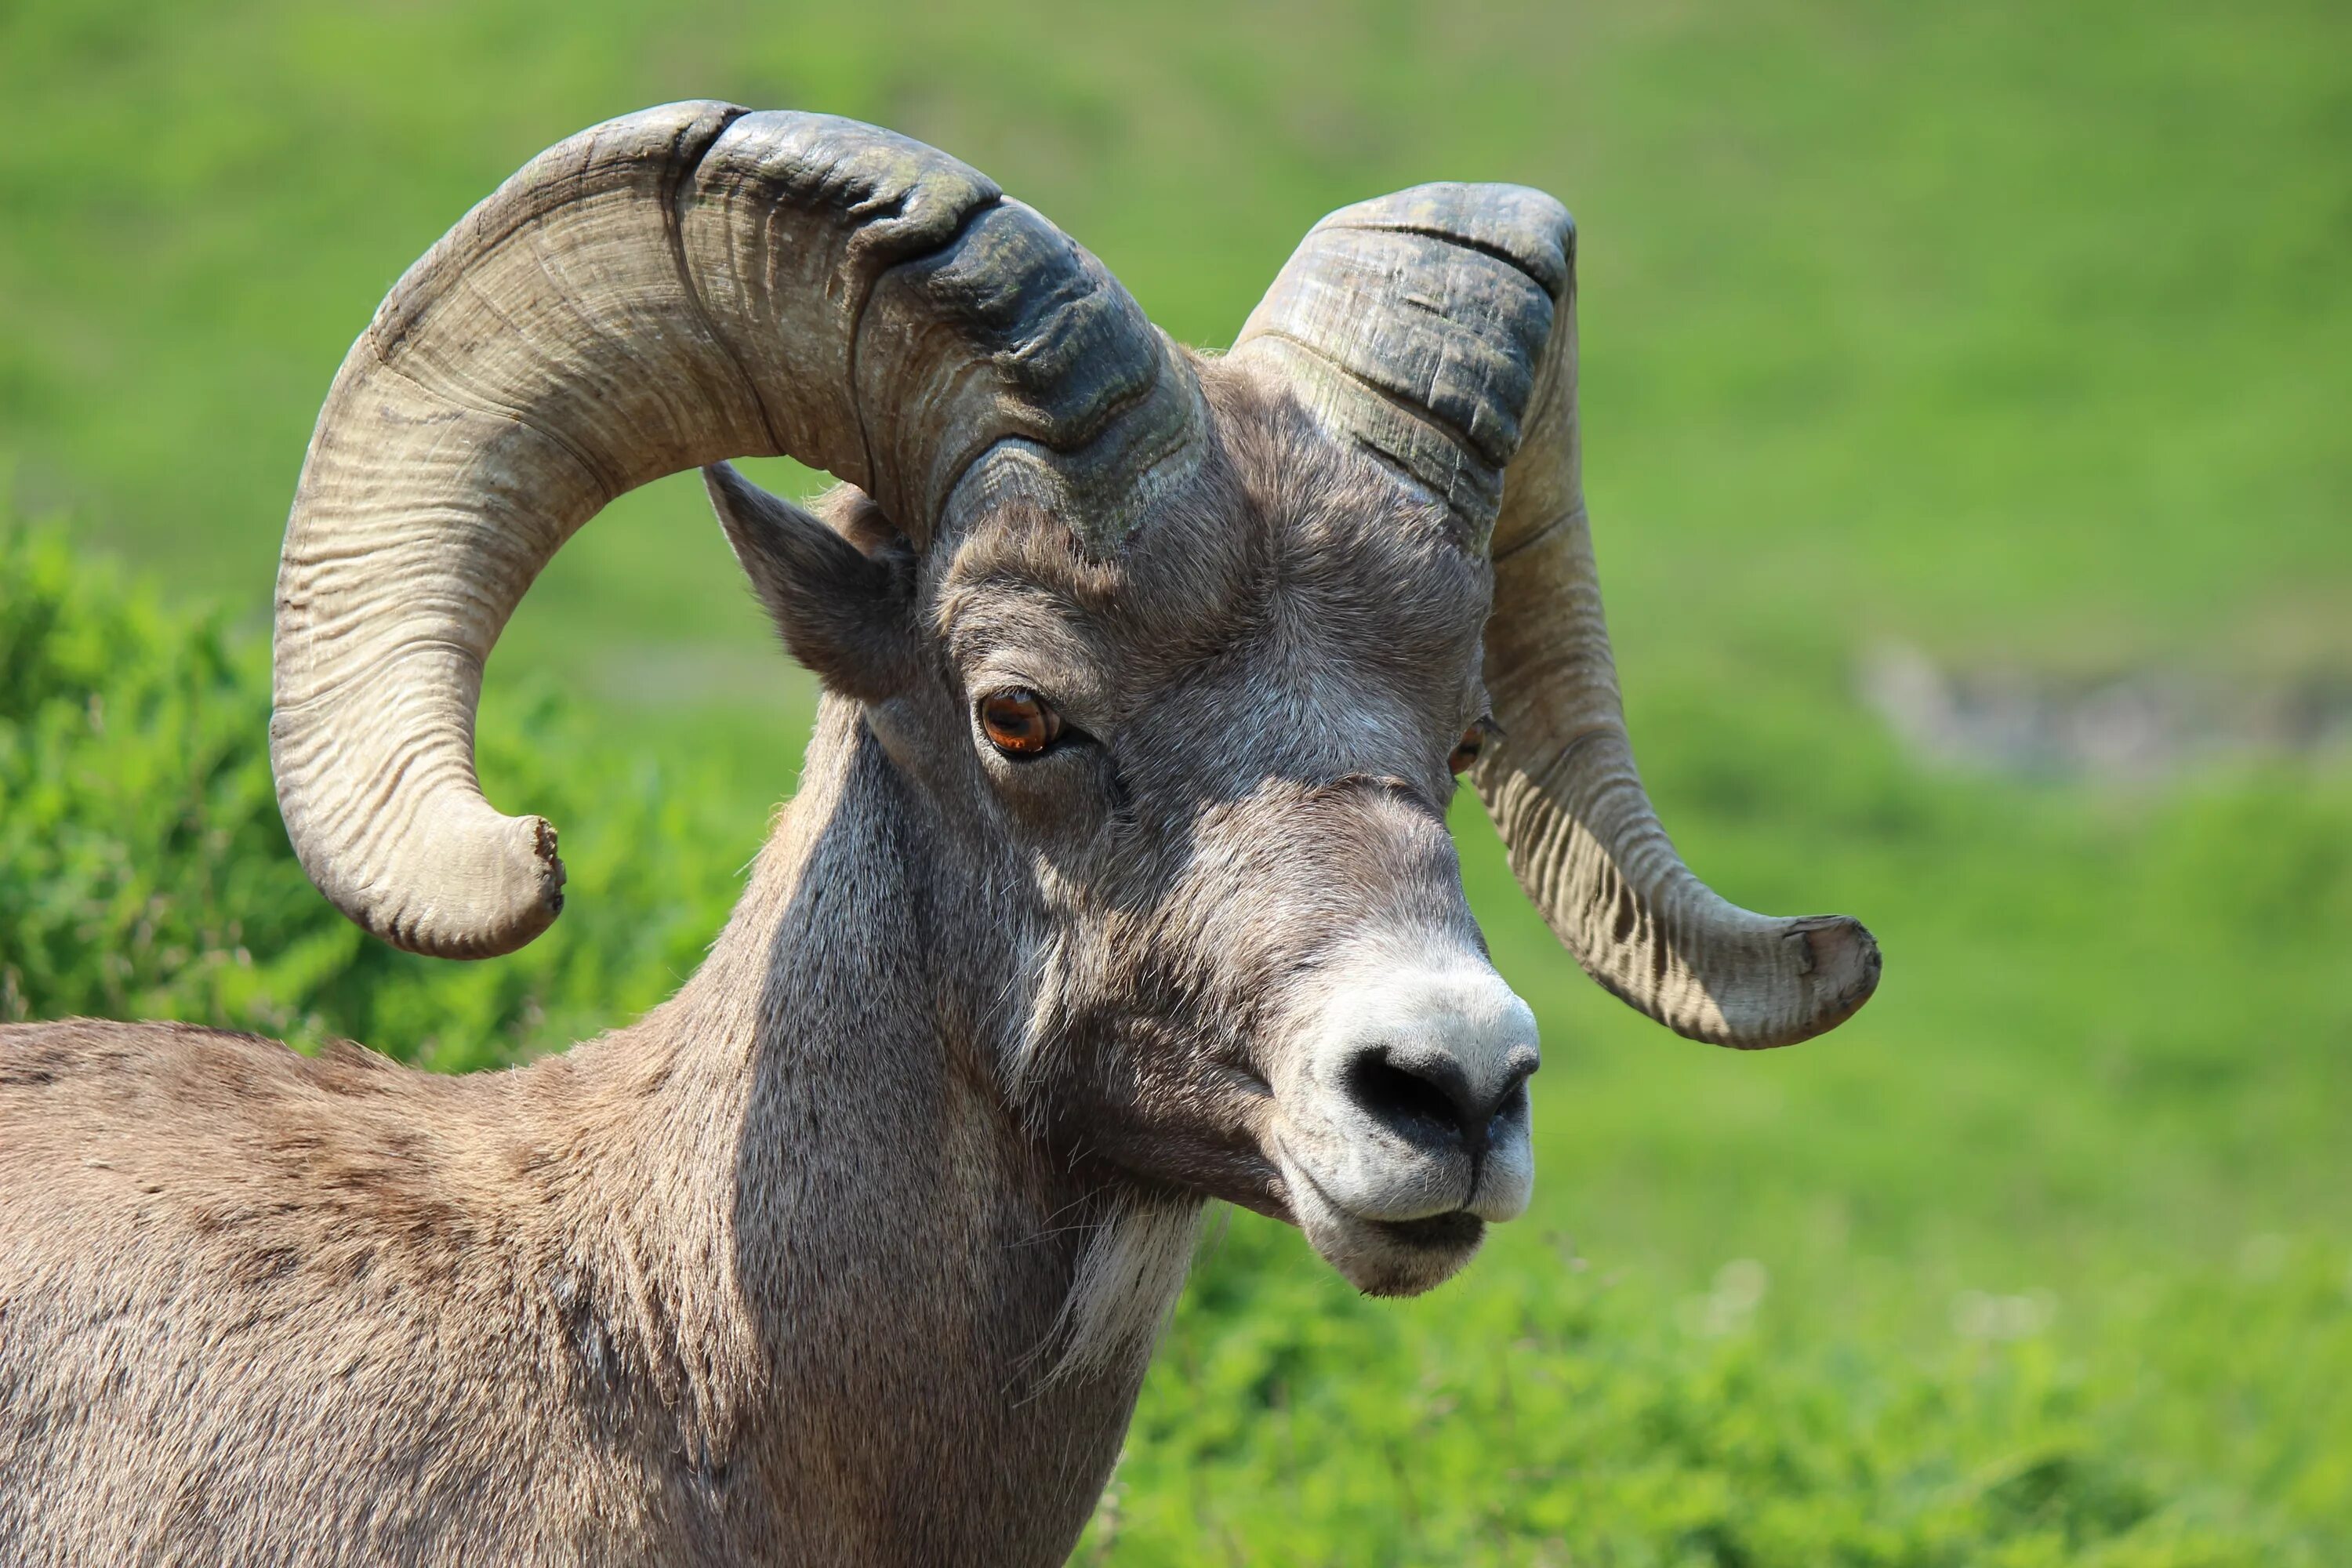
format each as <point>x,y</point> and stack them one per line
<point>668,289</point>
<point>1436,328</point>
<point>1412,325</point>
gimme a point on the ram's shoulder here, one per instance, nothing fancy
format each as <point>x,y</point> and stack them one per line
<point>85,1100</point>
<point>95,1062</point>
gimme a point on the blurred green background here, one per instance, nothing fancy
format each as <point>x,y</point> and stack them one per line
<point>1967,394</point>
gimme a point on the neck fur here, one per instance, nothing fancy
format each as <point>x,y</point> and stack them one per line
<point>820,1118</point>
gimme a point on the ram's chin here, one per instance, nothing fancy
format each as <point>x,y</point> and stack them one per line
<point>1391,1258</point>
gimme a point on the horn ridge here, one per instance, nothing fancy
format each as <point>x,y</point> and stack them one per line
<point>681,193</point>
<point>1516,225</point>
<point>665,290</point>
<point>1420,337</point>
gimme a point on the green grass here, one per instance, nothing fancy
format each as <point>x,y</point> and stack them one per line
<point>2019,333</point>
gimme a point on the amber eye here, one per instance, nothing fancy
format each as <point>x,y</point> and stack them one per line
<point>1466,749</point>
<point>1018,722</point>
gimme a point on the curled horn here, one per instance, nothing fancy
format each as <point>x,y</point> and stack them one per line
<point>664,291</point>
<point>1435,329</point>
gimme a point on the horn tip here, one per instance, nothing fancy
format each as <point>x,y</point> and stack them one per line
<point>514,899</point>
<point>1828,966</point>
<point>1841,965</point>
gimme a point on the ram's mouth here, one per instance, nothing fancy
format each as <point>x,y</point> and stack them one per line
<point>1457,1232</point>
<point>1380,1257</point>
<point>1392,1257</point>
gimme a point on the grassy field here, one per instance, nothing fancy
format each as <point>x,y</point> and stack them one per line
<point>2018,335</point>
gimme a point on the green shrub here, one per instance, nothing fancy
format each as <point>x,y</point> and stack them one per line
<point>1544,1412</point>
<point>144,871</point>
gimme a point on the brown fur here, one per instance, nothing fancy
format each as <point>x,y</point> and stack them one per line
<point>779,1274</point>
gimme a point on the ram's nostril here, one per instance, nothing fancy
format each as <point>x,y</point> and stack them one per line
<point>1405,1100</point>
<point>1432,1098</point>
<point>1520,1067</point>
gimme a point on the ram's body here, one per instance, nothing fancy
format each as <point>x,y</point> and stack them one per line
<point>1117,882</point>
<point>757,1280</point>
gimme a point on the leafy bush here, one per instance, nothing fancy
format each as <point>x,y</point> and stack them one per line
<point>1553,1413</point>
<point>144,871</point>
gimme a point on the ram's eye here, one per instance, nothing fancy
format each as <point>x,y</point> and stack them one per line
<point>1466,749</point>
<point>1018,722</point>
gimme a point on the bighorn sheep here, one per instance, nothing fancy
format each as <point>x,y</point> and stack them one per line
<point>1118,881</point>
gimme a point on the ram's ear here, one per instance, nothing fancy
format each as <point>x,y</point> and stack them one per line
<point>843,599</point>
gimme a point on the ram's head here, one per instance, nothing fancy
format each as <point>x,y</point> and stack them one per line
<point>1160,663</point>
